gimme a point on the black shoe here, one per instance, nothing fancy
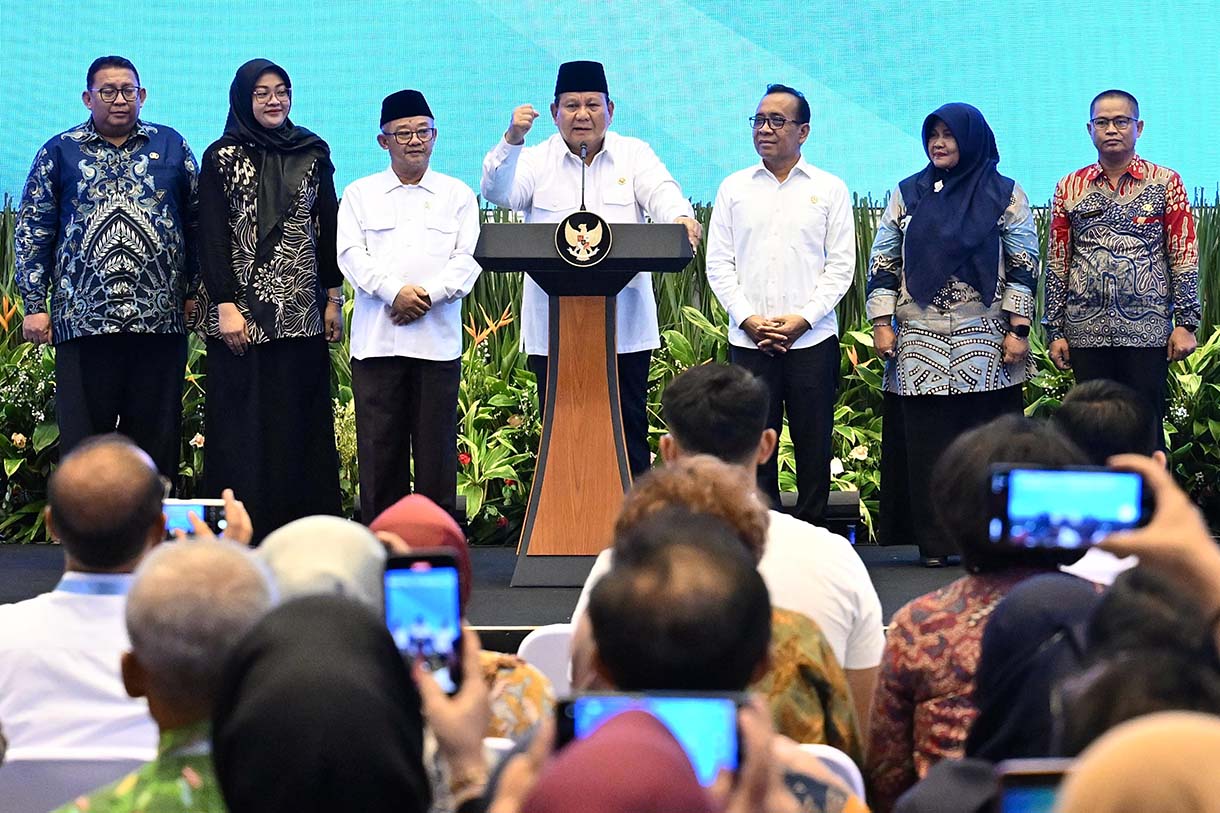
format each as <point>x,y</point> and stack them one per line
<point>933,561</point>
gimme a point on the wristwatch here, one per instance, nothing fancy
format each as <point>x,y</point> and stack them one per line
<point>1191,328</point>
<point>1020,331</point>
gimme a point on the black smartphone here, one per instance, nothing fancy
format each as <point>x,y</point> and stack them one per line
<point>424,614</point>
<point>177,515</point>
<point>1068,508</point>
<point>705,724</point>
<point>1029,785</point>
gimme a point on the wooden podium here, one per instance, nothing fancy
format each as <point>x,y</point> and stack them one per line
<point>582,470</point>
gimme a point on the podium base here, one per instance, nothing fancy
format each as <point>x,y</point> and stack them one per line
<point>552,571</point>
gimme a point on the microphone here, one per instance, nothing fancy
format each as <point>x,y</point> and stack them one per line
<point>584,153</point>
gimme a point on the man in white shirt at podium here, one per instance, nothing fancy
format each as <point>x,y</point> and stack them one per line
<point>625,182</point>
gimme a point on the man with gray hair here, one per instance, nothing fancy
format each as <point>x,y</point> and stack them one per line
<point>189,604</point>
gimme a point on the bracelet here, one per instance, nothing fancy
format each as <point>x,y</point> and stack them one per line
<point>338,300</point>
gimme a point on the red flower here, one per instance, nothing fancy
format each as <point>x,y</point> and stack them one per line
<point>508,481</point>
<point>502,522</point>
<point>464,458</point>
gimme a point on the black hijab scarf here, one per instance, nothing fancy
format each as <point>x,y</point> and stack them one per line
<point>955,231</point>
<point>317,712</point>
<point>287,152</point>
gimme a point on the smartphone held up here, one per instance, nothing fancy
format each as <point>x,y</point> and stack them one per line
<point>423,612</point>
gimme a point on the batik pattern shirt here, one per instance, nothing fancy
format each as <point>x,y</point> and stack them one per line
<point>107,233</point>
<point>953,345</point>
<point>924,703</point>
<point>180,780</point>
<point>1123,265</point>
<point>282,297</point>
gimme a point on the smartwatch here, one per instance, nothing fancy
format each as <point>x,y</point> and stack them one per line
<point>1020,331</point>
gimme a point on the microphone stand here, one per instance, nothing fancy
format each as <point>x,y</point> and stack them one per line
<point>584,152</point>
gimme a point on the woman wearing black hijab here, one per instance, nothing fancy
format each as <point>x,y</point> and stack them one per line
<point>953,274</point>
<point>267,223</point>
<point>317,712</point>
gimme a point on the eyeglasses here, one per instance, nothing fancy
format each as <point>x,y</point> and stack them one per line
<point>1120,123</point>
<point>264,94</point>
<point>404,136</point>
<point>109,94</point>
<point>777,122</point>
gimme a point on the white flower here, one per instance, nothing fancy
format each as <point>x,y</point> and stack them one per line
<point>859,453</point>
<point>836,467</point>
<point>197,441</point>
<point>18,440</point>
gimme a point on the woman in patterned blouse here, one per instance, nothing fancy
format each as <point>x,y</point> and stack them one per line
<point>924,704</point>
<point>268,214</point>
<point>953,273</point>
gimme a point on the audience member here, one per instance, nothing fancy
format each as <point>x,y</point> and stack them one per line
<point>721,410</point>
<point>1034,638</point>
<point>685,609</point>
<point>188,606</point>
<point>1105,418</point>
<point>317,712</point>
<point>325,554</point>
<point>1167,762</point>
<point>804,685</point>
<point>924,705</point>
<point>59,652</point>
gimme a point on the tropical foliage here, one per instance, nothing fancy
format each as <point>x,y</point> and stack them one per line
<point>499,423</point>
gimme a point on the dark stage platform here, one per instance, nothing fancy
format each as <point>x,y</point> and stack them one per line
<point>507,613</point>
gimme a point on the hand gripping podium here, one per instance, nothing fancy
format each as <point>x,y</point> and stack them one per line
<point>582,470</point>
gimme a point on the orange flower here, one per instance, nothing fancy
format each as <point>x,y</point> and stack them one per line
<point>8,310</point>
<point>853,357</point>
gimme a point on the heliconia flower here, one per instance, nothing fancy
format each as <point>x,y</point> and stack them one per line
<point>853,357</point>
<point>464,458</point>
<point>508,481</point>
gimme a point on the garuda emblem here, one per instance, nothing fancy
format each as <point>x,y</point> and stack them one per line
<point>583,239</point>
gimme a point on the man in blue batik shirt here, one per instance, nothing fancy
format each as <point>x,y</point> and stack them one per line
<point>106,266</point>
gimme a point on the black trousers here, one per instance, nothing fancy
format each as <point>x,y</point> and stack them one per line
<point>129,382</point>
<point>803,383</point>
<point>1143,369</point>
<point>632,400</point>
<point>406,413</point>
<point>915,430</point>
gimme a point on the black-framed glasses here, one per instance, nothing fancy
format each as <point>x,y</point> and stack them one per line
<point>264,94</point>
<point>109,94</point>
<point>777,122</point>
<point>1119,122</point>
<point>404,136</point>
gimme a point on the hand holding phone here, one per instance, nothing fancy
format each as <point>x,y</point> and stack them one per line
<point>423,612</point>
<point>178,516</point>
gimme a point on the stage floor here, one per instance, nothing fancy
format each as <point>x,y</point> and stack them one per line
<point>505,614</point>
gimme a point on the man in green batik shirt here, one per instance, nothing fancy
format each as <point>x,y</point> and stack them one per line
<point>188,606</point>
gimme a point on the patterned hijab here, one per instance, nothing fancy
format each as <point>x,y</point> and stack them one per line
<point>954,228</point>
<point>287,152</point>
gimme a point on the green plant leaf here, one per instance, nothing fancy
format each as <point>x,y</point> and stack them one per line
<point>45,434</point>
<point>11,465</point>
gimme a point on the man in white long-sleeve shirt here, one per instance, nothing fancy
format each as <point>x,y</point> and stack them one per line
<point>781,253</point>
<point>625,183</point>
<point>406,243</point>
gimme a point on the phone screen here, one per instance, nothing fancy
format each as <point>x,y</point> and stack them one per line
<point>177,515</point>
<point>1064,508</point>
<point>706,727</point>
<point>1027,800</point>
<point>423,614</point>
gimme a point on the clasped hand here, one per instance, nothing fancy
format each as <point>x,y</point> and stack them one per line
<point>774,335</point>
<point>411,303</point>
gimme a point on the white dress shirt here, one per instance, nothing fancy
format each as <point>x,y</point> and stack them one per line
<point>624,183</point>
<point>811,571</point>
<point>780,248</point>
<point>60,683</point>
<point>392,234</point>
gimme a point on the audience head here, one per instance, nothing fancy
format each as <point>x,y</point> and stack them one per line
<point>1167,762</point>
<point>326,554</point>
<point>1150,649</point>
<point>189,605</point>
<point>317,712</point>
<point>684,608</point>
<point>718,410</point>
<point>960,488</point>
<point>1105,418</point>
<point>1034,637</point>
<point>421,523</point>
<point>104,505</point>
<point>632,762</point>
<point>702,485</point>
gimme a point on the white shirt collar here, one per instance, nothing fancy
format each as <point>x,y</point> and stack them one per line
<point>802,166</point>
<point>391,181</point>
